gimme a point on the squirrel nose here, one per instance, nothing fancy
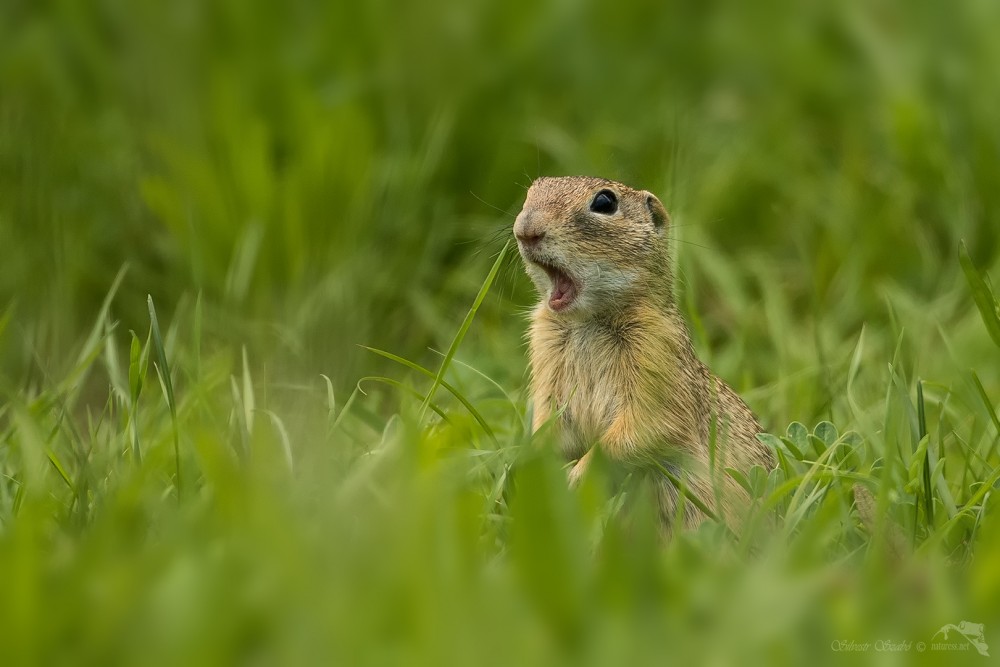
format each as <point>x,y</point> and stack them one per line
<point>529,237</point>
<point>526,231</point>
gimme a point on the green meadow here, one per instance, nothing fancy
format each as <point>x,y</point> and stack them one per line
<point>263,380</point>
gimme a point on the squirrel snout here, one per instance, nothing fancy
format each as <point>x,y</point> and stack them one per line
<point>529,239</point>
<point>526,231</point>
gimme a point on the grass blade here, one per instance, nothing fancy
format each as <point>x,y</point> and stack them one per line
<point>249,401</point>
<point>922,433</point>
<point>163,370</point>
<point>6,317</point>
<point>138,364</point>
<point>286,442</point>
<point>453,348</point>
<point>985,487</point>
<point>685,492</point>
<point>448,387</point>
<point>406,388</point>
<point>981,390</point>
<point>982,293</point>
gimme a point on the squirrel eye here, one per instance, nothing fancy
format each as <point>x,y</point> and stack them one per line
<point>604,202</point>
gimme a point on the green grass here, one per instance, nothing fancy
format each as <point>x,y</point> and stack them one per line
<point>262,377</point>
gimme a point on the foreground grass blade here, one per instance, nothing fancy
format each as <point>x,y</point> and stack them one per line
<point>5,318</point>
<point>922,433</point>
<point>91,349</point>
<point>249,400</point>
<point>399,385</point>
<point>686,493</point>
<point>448,387</point>
<point>982,293</point>
<point>984,489</point>
<point>453,348</point>
<point>163,369</point>
<point>286,441</point>
<point>981,390</point>
<point>138,364</point>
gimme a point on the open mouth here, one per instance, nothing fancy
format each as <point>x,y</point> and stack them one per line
<point>564,290</point>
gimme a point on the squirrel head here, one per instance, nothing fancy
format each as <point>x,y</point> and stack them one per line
<point>591,245</point>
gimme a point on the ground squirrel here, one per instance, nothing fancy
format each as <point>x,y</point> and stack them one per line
<point>612,356</point>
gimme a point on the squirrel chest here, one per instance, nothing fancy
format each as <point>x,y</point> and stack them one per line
<point>586,371</point>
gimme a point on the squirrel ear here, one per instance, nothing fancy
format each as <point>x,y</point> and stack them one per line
<point>659,214</point>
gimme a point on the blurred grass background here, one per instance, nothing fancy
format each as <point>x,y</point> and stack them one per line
<point>291,181</point>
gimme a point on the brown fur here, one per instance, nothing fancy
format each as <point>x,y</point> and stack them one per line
<point>618,361</point>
